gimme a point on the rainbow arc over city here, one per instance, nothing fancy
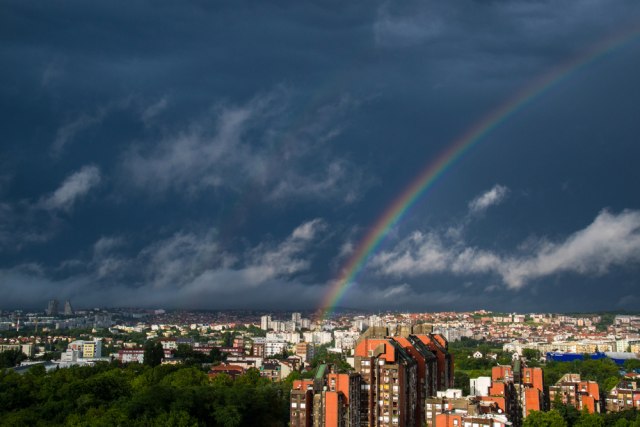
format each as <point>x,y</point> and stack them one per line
<point>437,167</point>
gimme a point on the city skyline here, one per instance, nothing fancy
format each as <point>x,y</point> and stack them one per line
<point>414,157</point>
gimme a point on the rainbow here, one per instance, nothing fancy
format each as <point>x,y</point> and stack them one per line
<point>436,168</point>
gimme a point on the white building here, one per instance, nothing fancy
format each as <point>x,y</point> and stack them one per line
<point>169,343</point>
<point>450,393</point>
<point>290,337</point>
<point>131,355</point>
<point>85,349</point>
<point>480,386</point>
<point>265,323</point>
<point>272,348</point>
<point>346,340</point>
<point>359,323</point>
<point>278,325</point>
<point>318,337</point>
<point>296,318</point>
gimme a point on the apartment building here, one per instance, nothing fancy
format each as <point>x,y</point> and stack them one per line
<point>394,374</point>
<point>329,400</point>
<point>86,349</point>
<point>390,382</point>
<point>450,409</point>
<point>305,351</point>
<point>571,390</point>
<point>626,395</point>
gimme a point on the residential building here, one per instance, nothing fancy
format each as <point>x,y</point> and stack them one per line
<point>395,372</point>
<point>305,351</point>
<point>480,386</point>
<point>329,400</point>
<point>169,344</point>
<point>531,389</point>
<point>273,348</point>
<point>26,349</point>
<point>438,344</point>
<point>626,395</point>
<point>503,393</point>
<point>232,371</point>
<point>86,349</point>
<point>296,318</point>
<point>389,380</point>
<point>270,369</point>
<point>450,409</point>
<point>131,355</point>
<point>571,390</point>
<point>265,323</point>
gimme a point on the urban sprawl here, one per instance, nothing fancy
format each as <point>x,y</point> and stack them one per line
<point>453,369</point>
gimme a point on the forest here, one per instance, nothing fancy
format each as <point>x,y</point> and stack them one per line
<point>568,416</point>
<point>140,395</point>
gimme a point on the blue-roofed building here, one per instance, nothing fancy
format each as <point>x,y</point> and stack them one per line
<point>618,357</point>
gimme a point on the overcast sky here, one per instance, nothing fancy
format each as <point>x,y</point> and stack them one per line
<point>234,154</point>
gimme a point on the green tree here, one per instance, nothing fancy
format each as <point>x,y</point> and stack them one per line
<point>568,412</point>
<point>227,339</point>
<point>216,356</point>
<point>544,419</point>
<point>589,420</point>
<point>531,354</point>
<point>153,353</point>
<point>11,358</point>
<point>631,364</point>
<point>461,381</point>
<point>610,383</point>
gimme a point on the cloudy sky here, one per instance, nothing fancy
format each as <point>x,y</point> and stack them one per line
<point>234,154</point>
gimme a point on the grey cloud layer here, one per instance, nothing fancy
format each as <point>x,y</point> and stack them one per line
<point>187,266</point>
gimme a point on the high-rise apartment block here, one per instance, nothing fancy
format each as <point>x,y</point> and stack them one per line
<point>532,387</point>
<point>265,323</point>
<point>395,371</point>
<point>296,318</point>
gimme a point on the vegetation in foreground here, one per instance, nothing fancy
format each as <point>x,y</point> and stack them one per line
<point>137,395</point>
<point>568,416</point>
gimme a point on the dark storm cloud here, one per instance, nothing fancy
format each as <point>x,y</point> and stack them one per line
<point>163,153</point>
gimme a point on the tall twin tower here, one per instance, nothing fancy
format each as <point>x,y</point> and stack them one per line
<point>53,308</point>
